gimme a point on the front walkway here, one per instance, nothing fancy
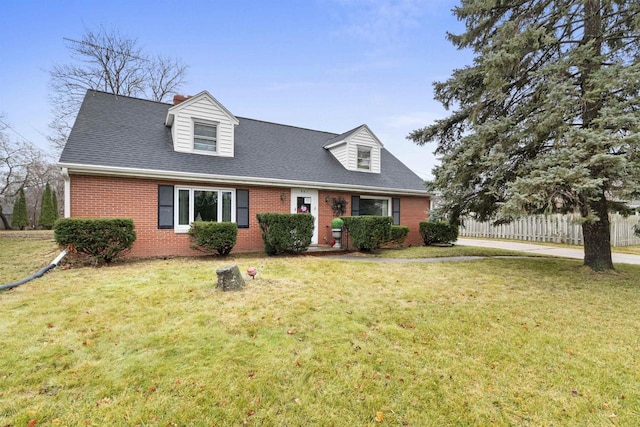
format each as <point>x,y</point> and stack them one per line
<point>542,249</point>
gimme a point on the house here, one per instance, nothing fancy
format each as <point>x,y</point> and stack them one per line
<point>166,165</point>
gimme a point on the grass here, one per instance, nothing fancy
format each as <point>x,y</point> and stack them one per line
<point>441,252</point>
<point>323,342</point>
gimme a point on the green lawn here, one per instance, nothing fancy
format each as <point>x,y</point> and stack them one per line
<point>313,341</point>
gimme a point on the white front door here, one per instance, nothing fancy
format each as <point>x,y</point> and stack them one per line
<point>305,201</point>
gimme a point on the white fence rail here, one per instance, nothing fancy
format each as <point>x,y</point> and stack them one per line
<point>552,228</point>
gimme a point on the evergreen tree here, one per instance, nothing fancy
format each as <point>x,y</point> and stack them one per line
<point>47,213</point>
<point>547,117</point>
<point>20,218</point>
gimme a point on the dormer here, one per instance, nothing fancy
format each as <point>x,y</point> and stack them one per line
<point>357,150</point>
<point>200,124</point>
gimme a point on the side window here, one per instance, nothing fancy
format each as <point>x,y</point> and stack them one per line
<point>396,211</point>
<point>242,208</point>
<point>165,206</point>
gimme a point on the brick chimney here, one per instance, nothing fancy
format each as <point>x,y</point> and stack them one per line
<point>177,99</point>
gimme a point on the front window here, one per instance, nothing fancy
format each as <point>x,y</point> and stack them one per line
<point>378,207</point>
<point>204,204</point>
<point>205,136</point>
<point>364,158</point>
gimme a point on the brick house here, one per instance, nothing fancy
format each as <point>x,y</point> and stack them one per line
<point>166,165</point>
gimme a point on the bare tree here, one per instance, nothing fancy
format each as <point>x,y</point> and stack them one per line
<point>107,61</point>
<point>17,160</point>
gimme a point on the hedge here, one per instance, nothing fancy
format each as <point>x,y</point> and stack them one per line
<point>438,232</point>
<point>217,238</point>
<point>286,233</point>
<point>103,239</point>
<point>398,234</point>
<point>368,233</point>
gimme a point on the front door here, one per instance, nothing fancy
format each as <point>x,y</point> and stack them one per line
<point>305,201</point>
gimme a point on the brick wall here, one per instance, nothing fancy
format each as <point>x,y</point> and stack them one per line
<point>100,196</point>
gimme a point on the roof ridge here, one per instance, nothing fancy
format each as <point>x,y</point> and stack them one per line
<point>289,126</point>
<point>127,96</point>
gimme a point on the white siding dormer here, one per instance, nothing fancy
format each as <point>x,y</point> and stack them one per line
<point>202,125</point>
<point>357,143</point>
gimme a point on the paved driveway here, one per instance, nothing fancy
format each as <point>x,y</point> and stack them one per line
<point>543,250</point>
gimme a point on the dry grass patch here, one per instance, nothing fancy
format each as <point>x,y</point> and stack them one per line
<point>313,341</point>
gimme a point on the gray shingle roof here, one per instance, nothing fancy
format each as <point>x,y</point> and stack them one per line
<point>123,132</point>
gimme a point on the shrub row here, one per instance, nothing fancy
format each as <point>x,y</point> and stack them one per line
<point>438,232</point>
<point>216,238</point>
<point>103,239</point>
<point>285,233</point>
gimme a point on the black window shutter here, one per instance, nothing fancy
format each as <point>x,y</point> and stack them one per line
<point>242,208</point>
<point>396,211</point>
<point>165,206</point>
<point>355,205</point>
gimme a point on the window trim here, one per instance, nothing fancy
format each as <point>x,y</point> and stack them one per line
<point>182,228</point>
<point>370,151</point>
<point>215,139</point>
<point>389,204</point>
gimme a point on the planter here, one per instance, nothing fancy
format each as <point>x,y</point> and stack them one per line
<point>336,233</point>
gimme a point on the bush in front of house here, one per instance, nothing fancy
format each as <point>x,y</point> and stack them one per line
<point>438,232</point>
<point>216,238</point>
<point>285,233</point>
<point>103,239</point>
<point>368,233</point>
<point>398,234</point>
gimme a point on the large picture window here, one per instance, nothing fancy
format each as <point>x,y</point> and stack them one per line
<point>379,207</point>
<point>204,204</point>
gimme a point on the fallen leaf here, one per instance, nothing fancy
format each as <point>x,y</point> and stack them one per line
<point>291,331</point>
<point>32,423</point>
<point>379,417</point>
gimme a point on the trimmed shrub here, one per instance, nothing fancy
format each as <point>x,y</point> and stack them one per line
<point>368,233</point>
<point>337,223</point>
<point>285,233</point>
<point>103,239</point>
<point>439,232</point>
<point>217,238</point>
<point>398,234</point>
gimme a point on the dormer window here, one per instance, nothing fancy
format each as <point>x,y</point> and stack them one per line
<point>205,136</point>
<point>364,158</point>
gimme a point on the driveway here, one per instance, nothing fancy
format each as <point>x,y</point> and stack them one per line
<point>542,249</point>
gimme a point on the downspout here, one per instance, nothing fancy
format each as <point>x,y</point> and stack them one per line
<point>67,192</point>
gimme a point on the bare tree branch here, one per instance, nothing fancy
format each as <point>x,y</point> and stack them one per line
<point>107,61</point>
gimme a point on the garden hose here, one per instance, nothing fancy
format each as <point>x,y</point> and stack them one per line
<point>39,273</point>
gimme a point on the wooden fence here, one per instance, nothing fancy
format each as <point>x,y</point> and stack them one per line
<point>552,228</point>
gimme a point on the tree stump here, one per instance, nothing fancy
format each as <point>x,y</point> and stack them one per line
<point>229,278</point>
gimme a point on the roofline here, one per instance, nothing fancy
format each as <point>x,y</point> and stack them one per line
<point>203,177</point>
<point>204,94</point>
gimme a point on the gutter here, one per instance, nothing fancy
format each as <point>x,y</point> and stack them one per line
<point>201,177</point>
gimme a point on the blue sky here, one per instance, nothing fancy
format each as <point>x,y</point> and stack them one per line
<point>328,65</point>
